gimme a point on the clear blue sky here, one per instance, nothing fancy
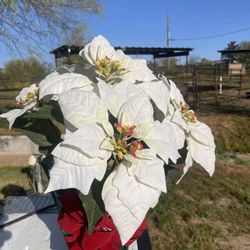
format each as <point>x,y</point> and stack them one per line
<point>143,23</point>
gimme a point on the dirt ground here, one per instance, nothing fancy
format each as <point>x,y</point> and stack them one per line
<point>13,160</point>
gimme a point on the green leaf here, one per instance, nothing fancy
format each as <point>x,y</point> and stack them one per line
<point>172,174</point>
<point>93,202</point>
<point>39,126</point>
<point>40,131</point>
<point>183,154</point>
<point>92,210</point>
<point>43,112</point>
<point>47,164</point>
<point>56,111</point>
<point>49,111</point>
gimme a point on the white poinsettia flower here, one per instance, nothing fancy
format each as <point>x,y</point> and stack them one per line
<point>138,112</point>
<point>27,95</point>
<point>199,138</point>
<point>135,69</point>
<point>111,64</point>
<point>26,101</point>
<point>139,179</point>
<point>91,142</point>
<point>56,83</point>
<point>79,159</point>
<point>79,106</point>
<point>132,189</point>
<point>114,96</point>
<point>92,145</point>
<point>158,92</point>
<point>87,126</point>
<point>87,149</point>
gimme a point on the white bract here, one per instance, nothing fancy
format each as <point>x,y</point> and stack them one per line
<point>56,83</point>
<point>26,101</point>
<point>111,64</point>
<point>199,138</point>
<point>114,96</point>
<point>129,193</point>
<point>79,155</point>
<point>78,159</point>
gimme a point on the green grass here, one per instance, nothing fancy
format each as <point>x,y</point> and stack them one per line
<point>236,135</point>
<point>201,212</point>
<point>196,214</point>
<point>7,100</point>
<point>9,94</point>
<point>14,180</point>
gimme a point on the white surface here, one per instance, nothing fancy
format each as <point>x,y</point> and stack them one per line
<point>38,232</point>
<point>17,145</point>
<point>133,246</point>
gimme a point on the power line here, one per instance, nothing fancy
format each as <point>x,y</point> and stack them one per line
<point>210,37</point>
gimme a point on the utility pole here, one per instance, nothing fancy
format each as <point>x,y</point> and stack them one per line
<point>168,31</point>
<point>168,36</point>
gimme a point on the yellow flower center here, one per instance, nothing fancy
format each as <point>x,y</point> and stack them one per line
<point>187,114</point>
<point>108,68</point>
<point>125,143</point>
<point>30,97</point>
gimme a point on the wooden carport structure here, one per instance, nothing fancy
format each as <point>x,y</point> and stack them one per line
<point>156,52</point>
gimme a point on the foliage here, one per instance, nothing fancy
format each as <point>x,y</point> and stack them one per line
<point>193,59</point>
<point>232,46</point>
<point>72,59</point>
<point>76,37</point>
<point>244,58</point>
<point>28,70</point>
<point>230,57</point>
<point>49,19</point>
<point>170,62</point>
<point>205,61</point>
<point>33,124</point>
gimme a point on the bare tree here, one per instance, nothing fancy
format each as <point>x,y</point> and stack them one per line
<point>27,24</point>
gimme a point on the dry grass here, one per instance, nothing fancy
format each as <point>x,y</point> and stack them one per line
<point>205,213</point>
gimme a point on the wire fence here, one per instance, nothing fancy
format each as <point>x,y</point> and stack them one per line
<point>213,84</point>
<point>200,84</point>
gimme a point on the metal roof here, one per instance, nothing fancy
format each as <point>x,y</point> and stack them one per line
<point>234,51</point>
<point>157,52</point>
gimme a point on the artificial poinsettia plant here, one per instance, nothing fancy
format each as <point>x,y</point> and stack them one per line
<point>123,128</point>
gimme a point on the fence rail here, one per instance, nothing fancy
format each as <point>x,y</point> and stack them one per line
<point>209,83</point>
